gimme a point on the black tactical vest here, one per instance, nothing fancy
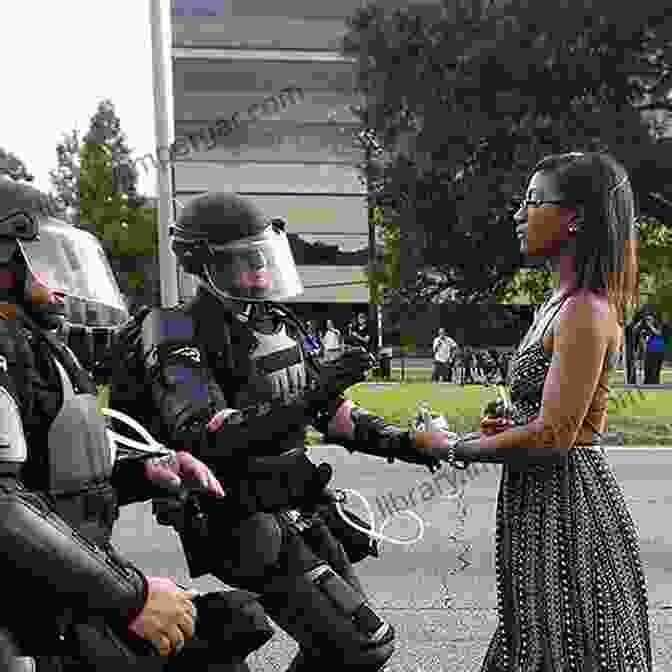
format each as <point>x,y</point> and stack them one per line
<point>257,362</point>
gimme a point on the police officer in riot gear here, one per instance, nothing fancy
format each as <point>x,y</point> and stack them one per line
<point>231,382</point>
<point>71,601</point>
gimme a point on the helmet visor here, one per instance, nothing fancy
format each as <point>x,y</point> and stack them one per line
<point>73,261</point>
<point>258,268</point>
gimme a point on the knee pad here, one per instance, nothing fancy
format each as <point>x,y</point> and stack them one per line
<point>254,548</point>
<point>350,602</point>
<point>329,617</point>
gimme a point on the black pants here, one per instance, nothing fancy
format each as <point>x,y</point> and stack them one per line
<point>442,370</point>
<point>653,363</point>
<point>267,555</point>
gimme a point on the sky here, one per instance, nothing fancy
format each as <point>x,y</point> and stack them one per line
<point>59,60</point>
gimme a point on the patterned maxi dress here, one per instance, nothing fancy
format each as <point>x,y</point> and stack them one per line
<point>571,590</point>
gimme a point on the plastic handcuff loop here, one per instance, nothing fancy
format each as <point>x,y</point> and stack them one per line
<point>372,521</point>
<point>436,424</point>
<point>151,447</point>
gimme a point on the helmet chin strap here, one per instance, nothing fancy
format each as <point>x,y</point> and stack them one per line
<point>239,307</point>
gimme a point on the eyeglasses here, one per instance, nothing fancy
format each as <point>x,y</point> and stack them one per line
<point>532,203</point>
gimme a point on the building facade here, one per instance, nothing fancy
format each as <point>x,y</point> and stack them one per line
<point>261,108</point>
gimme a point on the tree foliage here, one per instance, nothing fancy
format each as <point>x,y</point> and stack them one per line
<point>65,179</point>
<point>656,266</point>
<point>385,277</point>
<point>467,98</point>
<point>85,182</point>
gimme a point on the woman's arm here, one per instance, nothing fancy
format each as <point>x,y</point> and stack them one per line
<point>580,345</point>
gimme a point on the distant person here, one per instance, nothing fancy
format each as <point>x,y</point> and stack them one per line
<point>467,365</point>
<point>358,332</point>
<point>312,342</point>
<point>443,350</point>
<point>332,342</point>
<point>655,350</point>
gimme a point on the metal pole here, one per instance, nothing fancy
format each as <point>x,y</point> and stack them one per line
<point>164,127</point>
<point>373,308</point>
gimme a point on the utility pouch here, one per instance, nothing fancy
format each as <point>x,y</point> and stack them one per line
<point>356,543</point>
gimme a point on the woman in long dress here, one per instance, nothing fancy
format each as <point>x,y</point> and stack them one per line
<point>571,590</point>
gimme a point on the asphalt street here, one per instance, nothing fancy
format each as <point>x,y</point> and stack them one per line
<point>444,618</point>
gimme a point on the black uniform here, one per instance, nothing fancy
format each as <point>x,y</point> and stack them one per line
<point>268,532</point>
<point>59,501</point>
<point>59,492</point>
<point>235,347</point>
<point>68,596</point>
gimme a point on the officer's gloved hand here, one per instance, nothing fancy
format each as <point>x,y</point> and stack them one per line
<point>341,425</point>
<point>183,466</point>
<point>350,368</point>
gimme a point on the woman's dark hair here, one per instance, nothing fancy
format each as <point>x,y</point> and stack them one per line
<point>606,244</point>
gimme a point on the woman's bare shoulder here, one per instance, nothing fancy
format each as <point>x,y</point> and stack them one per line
<point>591,310</point>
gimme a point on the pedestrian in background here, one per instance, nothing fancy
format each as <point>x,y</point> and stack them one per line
<point>332,342</point>
<point>443,349</point>
<point>358,332</point>
<point>655,350</point>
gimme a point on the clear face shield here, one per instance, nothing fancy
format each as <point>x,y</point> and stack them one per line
<point>73,261</point>
<point>258,268</point>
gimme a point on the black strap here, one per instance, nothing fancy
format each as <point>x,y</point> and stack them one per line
<point>78,375</point>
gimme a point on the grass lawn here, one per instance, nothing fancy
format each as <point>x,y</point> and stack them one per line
<point>644,417</point>
<point>424,375</point>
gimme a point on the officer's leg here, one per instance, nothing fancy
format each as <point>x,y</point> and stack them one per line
<point>325,613</point>
<point>325,610</point>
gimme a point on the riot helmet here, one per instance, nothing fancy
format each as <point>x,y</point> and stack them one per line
<point>235,250</point>
<point>49,252</point>
<point>45,257</point>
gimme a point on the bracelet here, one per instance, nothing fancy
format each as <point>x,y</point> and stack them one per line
<point>452,462</point>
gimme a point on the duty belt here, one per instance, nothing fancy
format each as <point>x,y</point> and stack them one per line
<point>274,483</point>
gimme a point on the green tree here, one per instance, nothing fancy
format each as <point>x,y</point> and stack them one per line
<point>85,181</point>
<point>454,92</point>
<point>656,266</point>
<point>385,277</point>
<point>65,178</point>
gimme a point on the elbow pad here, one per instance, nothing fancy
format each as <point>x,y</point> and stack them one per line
<point>181,382</point>
<point>375,436</point>
<point>83,575</point>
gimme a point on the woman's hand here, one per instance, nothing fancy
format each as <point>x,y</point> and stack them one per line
<point>491,425</point>
<point>434,445</point>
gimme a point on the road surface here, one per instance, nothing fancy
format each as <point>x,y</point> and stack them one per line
<point>443,621</point>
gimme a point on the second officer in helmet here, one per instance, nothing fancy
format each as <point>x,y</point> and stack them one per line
<point>231,382</point>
